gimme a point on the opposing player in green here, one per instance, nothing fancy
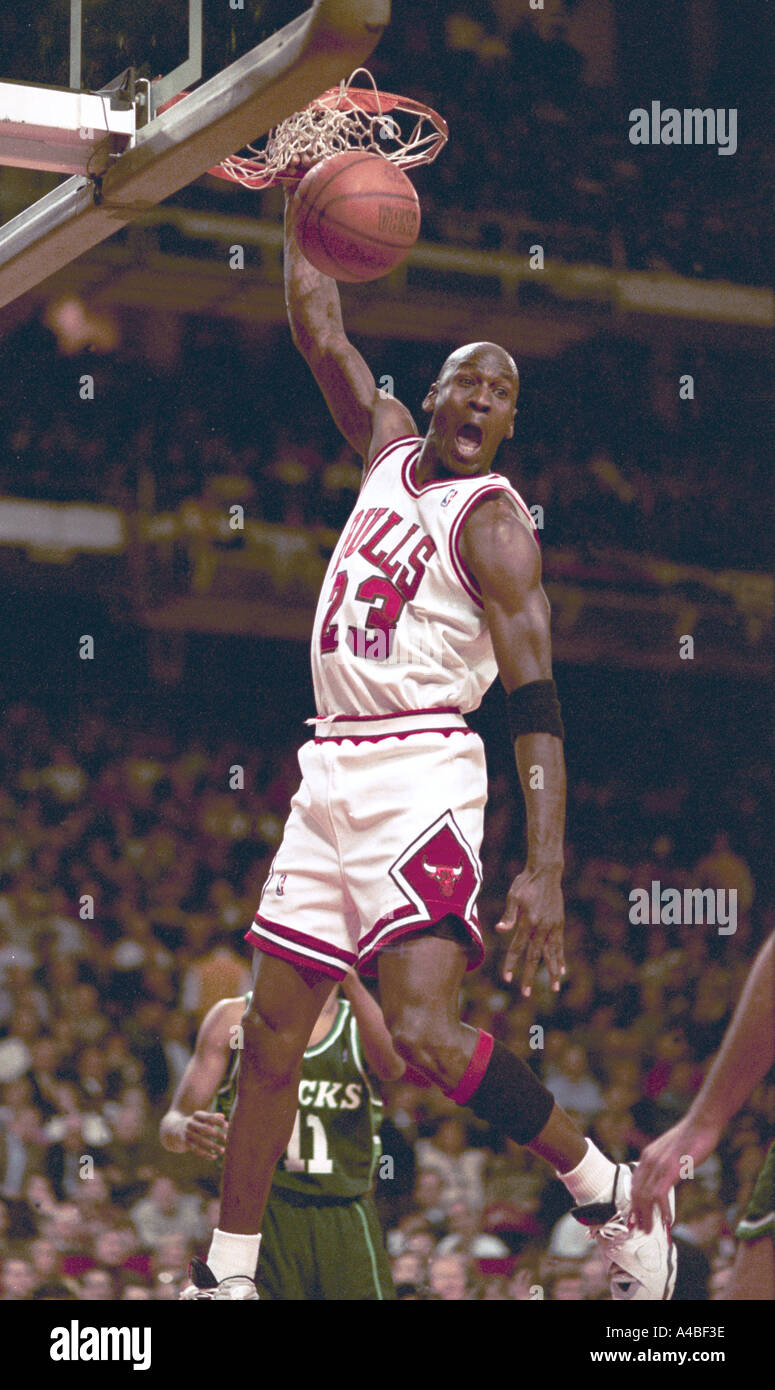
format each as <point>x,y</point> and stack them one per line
<point>322,1238</point>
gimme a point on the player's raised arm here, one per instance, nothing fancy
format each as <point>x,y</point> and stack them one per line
<point>745,1057</point>
<point>188,1125</point>
<point>505,560</point>
<point>366,419</point>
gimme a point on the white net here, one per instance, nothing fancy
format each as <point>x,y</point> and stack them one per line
<point>345,118</point>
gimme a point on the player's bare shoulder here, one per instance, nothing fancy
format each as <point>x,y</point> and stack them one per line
<point>499,546</point>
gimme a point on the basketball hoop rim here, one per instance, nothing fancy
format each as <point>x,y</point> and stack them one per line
<point>251,171</point>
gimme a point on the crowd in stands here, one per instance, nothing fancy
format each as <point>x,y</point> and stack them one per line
<point>604,444</point>
<point>536,148</point>
<point>128,872</point>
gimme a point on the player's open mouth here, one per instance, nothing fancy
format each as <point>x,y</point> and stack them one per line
<point>468,440</point>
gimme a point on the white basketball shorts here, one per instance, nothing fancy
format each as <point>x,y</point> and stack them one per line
<point>383,839</point>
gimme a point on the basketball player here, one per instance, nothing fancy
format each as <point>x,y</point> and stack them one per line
<point>433,589</point>
<point>321,1236</point>
<point>745,1057</point>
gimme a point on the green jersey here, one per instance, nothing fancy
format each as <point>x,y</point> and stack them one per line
<point>334,1147</point>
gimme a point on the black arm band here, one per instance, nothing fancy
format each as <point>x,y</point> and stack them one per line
<point>535,709</point>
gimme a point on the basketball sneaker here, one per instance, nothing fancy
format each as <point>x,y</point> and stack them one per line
<point>205,1285</point>
<point>641,1268</point>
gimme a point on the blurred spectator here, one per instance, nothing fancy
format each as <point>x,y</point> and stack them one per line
<point>97,1286</point>
<point>17,1280</point>
<point>219,973</point>
<point>722,869</point>
<point>459,1167</point>
<point>573,1086</point>
<point>452,1278</point>
<point>167,1212</point>
<point>22,1148</point>
<point>54,1292</point>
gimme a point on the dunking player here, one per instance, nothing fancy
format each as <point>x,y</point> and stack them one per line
<point>745,1057</point>
<point>432,590</point>
<point>321,1236</point>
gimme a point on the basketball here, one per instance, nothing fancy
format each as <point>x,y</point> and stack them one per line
<point>358,216</point>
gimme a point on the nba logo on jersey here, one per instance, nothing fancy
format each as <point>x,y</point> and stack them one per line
<point>447,498</point>
<point>280,889</point>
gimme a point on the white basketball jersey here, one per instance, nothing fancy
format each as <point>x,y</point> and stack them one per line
<point>400,622</point>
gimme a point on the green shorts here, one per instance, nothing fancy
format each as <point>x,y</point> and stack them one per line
<point>318,1251</point>
<point>759,1219</point>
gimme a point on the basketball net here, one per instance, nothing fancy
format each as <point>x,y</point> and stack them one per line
<point>343,118</point>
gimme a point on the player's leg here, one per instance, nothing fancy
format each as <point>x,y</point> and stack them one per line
<point>377,1283</point>
<point>286,1001</point>
<point>419,982</point>
<point>285,1272</point>
<point>753,1273</point>
<point>301,934</point>
<point>351,1259</point>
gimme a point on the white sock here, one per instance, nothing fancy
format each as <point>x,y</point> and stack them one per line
<point>592,1180</point>
<point>233,1254</point>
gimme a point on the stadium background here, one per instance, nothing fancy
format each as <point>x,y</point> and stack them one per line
<point>657,524</point>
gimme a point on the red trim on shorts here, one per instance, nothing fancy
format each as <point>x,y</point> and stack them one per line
<point>472,1077</point>
<point>379,718</point>
<point>377,738</point>
<point>336,962</point>
<point>301,938</point>
<point>270,948</point>
<point>367,960</point>
<point>408,910</point>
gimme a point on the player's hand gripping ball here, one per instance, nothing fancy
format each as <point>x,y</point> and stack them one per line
<point>357,216</point>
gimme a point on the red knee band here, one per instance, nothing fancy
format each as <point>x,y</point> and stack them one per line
<point>474,1072</point>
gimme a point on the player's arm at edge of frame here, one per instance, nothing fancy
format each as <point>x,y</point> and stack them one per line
<point>367,419</point>
<point>199,1083</point>
<point>505,560</point>
<point>746,1054</point>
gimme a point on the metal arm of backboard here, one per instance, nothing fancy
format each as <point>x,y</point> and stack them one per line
<point>238,105</point>
<point>186,74</point>
<point>181,77</point>
<point>75,45</point>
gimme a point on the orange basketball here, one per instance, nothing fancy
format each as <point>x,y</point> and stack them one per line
<point>357,216</point>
